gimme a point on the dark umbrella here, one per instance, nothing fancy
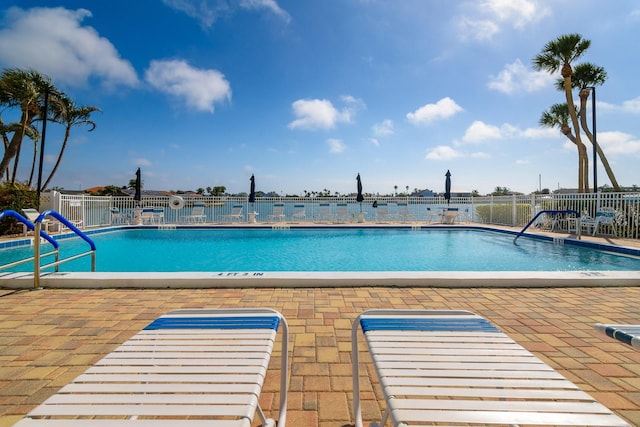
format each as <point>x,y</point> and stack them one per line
<point>359,197</point>
<point>252,191</point>
<point>138,195</point>
<point>447,187</point>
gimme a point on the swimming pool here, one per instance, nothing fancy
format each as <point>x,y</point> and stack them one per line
<point>326,249</point>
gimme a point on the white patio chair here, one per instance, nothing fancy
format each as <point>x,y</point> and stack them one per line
<point>403,212</point>
<point>449,215</point>
<point>325,214</point>
<point>277,215</point>
<point>147,217</point>
<point>47,224</point>
<point>456,368</point>
<point>299,213</point>
<point>188,368</point>
<point>197,213</point>
<point>342,213</point>
<point>235,215</point>
<point>383,214</point>
<point>604,216</point>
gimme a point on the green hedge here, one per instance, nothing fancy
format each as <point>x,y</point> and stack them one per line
<point>16,197</point>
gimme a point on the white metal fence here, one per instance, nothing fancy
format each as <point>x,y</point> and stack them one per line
<point>95,211</point>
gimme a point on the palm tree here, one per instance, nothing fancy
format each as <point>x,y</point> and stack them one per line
<point>71,116</point>
<point>585,76</point>
<point>557,55</point>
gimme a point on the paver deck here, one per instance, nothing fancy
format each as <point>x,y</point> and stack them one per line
<point>48,337</point>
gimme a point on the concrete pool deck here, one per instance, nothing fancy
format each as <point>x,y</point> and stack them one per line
<point>50,336</point>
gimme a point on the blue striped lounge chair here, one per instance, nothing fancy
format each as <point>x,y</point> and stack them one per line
<point>628,334</point>
<point>299,213</point>
<point>456,368</point>
<point>188,368</point>
<point>277,215</point>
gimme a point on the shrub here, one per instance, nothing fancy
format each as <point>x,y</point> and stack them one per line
<point>15,197</point>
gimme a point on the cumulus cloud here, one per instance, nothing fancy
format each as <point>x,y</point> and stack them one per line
<point>489,17</point>
<point>614,143</point>
<point>207,12</point>
<point>442,109</point>
<point>442,152</point>
<point>198,88</point>
<point>314,114</point>
<point>336,146</point>
<point>479,131</point>
<point>54,42</point>
<point>384,128</point>
<point>515,77</point>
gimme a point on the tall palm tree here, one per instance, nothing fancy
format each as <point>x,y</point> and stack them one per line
<point>557,55</point>
<point>71,116</point>
<point>588,75</point>
<point>23,89</point>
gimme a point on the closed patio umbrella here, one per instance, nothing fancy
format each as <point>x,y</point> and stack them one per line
<point>359,197</point>
<point>138,195</point>
<point>252,191</point>
<point>447,187</point>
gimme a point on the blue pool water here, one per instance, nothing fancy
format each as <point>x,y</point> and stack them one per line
<point>325,250</point>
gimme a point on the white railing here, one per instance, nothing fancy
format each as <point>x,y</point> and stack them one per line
<point>96,211</point>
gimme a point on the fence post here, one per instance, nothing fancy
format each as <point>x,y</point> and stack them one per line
<point>514,210</point>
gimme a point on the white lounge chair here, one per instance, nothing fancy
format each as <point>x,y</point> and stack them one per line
<point>277,215</point>
<point>324,213</point>
<point>197,213</point>
<point>383,214</point>
<point>432,215</point>
<point>188,368</point>
<point>449,215</point>
<point>158,216</point>
<point>299,213</point>
<point>118,217</point>
<point>342,213</point>
<point>628,334</point>
<point>47,224</point>
<point>235,215</point>
<point>456,368</point>
<point>403,212</point>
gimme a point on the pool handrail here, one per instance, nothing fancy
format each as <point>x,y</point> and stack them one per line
<point>548,211</point>
<point>36,247</point>
<point>29,224</point>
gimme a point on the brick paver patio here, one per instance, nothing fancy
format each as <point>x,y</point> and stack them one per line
<point>50,336</point>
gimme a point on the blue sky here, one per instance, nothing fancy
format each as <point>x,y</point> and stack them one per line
<point>306,94</point>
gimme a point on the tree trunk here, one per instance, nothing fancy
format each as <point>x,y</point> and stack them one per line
<point>584,94</point>
<point>14,145</point>
<point>582,163</point>
<point>55,167</point>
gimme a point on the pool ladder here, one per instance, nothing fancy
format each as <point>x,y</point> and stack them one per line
<point>549,211</point>
<point>36,226</point>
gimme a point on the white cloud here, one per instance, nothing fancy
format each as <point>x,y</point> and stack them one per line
<point>374,141</point>
<point>489,17</point>
<point>632,106</point>
<point>199,88</point>
<point>522,162</point>
<point>315,114</point>
<point>54,42</point>
<point>479,131</point>
<point>515,77</point>
<point>618,143</point>
<point>140,161</point>
<point>207,12</point>
<point>384,128</point>
<point>442,152</point>
<point>443,109</point>
<point>336,146</point>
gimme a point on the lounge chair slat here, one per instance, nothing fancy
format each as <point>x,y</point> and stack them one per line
<point>152,398</point>
<point>501,405</point>
<point>481,382</point>
<point>437,373</point>
<point>181,369</point>
<point>178,378</point>
<point>161,388</point>
<point>30,422</point>
<point>502,417</point>
<point>472,365</point>
<point>201,360</point>
<point>143,410</point>
<point>490,393</point>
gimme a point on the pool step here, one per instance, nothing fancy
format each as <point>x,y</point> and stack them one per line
<point>166,227</point>
<point>281,227</point>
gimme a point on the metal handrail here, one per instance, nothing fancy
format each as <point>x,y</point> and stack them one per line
<point>13,214</point>
<point>549,211</point>
<point>38,224</point>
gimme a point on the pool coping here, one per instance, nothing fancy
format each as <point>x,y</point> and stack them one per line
<point>248,279</point>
